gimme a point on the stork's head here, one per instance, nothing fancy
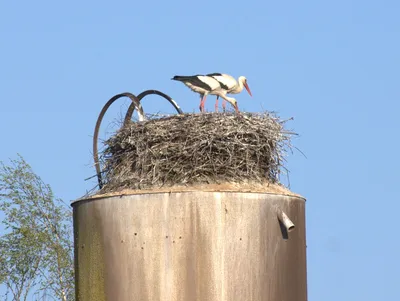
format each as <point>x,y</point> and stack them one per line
<point>233,102</point>
<point>243,80</point>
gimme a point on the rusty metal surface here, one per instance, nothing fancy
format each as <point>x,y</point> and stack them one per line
<point>203,246</point>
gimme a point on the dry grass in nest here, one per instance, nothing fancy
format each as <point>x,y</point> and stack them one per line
<point>195,148</point>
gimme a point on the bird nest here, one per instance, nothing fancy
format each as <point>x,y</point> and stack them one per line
<point>195,148</point>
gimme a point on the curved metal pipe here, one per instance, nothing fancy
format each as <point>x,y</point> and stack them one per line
<point>131,108</point>
<point>285,220</point>
<point>135,104</point>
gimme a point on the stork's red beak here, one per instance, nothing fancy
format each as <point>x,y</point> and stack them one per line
<point>247,88</point>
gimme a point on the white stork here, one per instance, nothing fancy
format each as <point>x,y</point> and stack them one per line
<point>205,85</point>
<point>229,84</point>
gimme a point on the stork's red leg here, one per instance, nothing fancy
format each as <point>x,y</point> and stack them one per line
<point>224,105</point>
<point>201,103</point>
<point>216,104</point>
<point>203,100</point>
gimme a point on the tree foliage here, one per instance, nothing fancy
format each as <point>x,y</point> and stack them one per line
<point>36,249</point>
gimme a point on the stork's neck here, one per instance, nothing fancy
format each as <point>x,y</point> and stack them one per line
<point>239,87</point>
<point>227,98</point>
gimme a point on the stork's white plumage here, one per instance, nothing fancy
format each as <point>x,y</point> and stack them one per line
<point>205,85</point>
<point>230,85</point>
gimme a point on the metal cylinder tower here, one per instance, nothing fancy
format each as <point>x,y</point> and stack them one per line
<point>190,245</point>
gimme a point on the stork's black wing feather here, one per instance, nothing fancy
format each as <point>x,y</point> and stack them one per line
<point>194,80</point>
<point>214,74</point>
<point>223,86</point>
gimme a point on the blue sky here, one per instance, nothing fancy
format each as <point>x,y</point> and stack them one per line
<point>332,65</point>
